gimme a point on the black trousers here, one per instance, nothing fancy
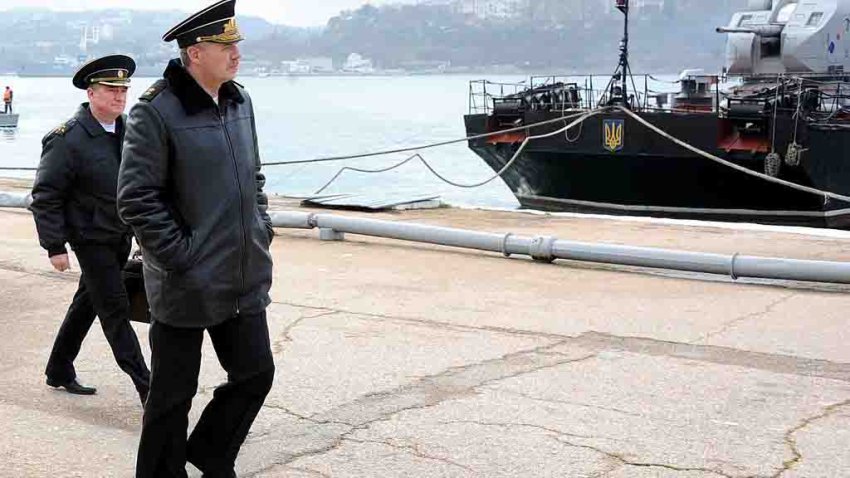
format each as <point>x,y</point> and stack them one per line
<point>244,351</point>
<point>8,108</point>
<point>101,292</point>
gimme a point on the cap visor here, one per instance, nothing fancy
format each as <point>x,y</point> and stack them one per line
<point>113,83</point>
<point>224,39</point>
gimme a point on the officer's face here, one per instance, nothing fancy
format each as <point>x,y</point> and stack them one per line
<point>110,100</point>
<point>219,61</point>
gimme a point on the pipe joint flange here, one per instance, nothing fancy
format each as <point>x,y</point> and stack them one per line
<point>732,273</point>
<point>313,220</point>
<point>541,249</point>
<point>505,245</point>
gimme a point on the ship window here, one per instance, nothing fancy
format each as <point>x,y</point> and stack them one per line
<point>785,13</point>
<point>745,19</point>
<point>815,19</point>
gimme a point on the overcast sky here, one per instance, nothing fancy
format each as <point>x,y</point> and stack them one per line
<point>290,12</point>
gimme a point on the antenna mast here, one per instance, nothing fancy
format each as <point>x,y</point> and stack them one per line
<point>623,69</point>
<point>617,90</point>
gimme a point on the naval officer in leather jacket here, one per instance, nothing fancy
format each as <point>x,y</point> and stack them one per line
<point>191,188</point>
<point>74,202</point>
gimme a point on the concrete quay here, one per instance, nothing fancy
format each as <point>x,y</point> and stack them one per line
<point>405,360</point>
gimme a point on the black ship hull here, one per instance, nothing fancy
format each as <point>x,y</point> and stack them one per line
<point>643,174</point>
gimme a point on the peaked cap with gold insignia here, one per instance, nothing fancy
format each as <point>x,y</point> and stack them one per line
<point>112,70</point>
<point>216,24</point>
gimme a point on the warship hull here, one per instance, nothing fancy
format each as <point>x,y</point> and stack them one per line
<point>641,173</point>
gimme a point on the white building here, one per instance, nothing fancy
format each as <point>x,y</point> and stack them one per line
<point>89,36</point>
<point>107,31</point>
<point>494,9</point>
<point>649,4</point>
<point>296,67</point>
<point>638,6</point>
<point>319,64</point>
<point>65,60</point>
<point>358,64</point>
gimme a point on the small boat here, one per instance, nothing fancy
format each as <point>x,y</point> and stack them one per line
<point>8,120</point>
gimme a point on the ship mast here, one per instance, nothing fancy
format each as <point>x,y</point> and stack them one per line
<point>617,89</point>
<point>623,68</point>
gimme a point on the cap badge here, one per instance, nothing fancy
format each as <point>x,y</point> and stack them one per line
<point>230,26</point>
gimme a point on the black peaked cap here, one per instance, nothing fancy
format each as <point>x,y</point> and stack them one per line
<point>112,70</point>
<point>216,23</point>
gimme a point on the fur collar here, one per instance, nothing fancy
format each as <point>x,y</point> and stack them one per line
<point>193,98</point>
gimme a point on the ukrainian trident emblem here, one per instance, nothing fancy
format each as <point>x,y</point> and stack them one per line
<point>612,138</point>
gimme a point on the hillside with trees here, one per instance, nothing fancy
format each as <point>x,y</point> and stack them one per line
<point>547,35</point>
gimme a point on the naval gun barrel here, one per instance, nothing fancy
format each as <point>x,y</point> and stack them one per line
<point>760,30</point>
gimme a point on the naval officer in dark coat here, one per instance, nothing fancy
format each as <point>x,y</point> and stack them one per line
<point>74,203</point>
<point>191,188</point>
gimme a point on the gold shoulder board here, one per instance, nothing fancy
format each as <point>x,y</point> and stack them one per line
<point>153,91</point>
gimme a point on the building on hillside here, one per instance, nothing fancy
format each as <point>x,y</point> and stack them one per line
<point>639,7</point>
<point>358,64</point>
<point>319,64</point>
<point>494,9</point>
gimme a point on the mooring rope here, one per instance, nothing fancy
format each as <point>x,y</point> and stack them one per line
<point>580,120</point>
<point>18,169</point>
<point>427,146</point>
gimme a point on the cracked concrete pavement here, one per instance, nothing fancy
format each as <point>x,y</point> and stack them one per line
<point>396,359</point>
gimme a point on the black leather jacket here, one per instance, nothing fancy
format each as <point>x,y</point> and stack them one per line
<point>75,187</point>
<point>191,188</point>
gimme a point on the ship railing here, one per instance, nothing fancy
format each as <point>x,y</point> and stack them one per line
<point>823,100</point>
<point>561,93</point>
<point>483,94</point>
<point>833,101</point>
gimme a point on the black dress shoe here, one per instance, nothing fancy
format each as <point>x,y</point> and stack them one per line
<point>72,387</point>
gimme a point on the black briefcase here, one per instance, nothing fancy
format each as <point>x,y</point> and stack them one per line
<point>134,283</point>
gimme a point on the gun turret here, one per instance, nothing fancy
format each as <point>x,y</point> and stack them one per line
<point>767,31</point>
<point>788,36</point>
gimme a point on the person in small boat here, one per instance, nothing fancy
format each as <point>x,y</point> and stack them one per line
<point>8,96</point>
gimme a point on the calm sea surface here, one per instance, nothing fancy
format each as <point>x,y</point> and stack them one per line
<point>304,118</point>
